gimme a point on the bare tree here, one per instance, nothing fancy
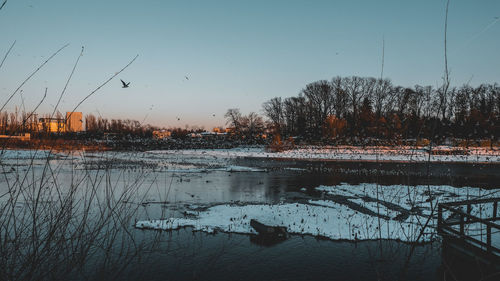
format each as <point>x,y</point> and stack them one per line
<point>353,86</point>
<point>381,94</point>
<point>273,109</point>
<point>255,124</point>
<point>234,118</point>
<point>340,99</point>
<point>320,100</point>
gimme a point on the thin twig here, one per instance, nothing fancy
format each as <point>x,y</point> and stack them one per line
<point>31,75</point>
<point>67,82</point>
<point>3,4</point>
<point>106,82</point>
<point>7,54</point>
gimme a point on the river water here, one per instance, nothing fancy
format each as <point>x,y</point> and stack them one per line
<point>168,183</point>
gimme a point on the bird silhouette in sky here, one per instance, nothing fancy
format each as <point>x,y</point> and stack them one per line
<point>187,78</point>
<point>125,85</point>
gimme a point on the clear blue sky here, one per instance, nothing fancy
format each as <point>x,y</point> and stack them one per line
<point>235,53</point>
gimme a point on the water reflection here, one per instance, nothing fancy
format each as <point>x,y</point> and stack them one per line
<point>186,255</point>
<point>461,263</point>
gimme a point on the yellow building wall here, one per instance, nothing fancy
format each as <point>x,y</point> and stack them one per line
<point>74,121</point>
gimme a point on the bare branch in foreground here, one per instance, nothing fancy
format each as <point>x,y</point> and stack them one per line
<point>7,54</point>
<point>31,75</point>
<point>103,84</point>
<point>3,4</point>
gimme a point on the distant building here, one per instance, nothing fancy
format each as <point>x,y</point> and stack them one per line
<point>222,131</point>
<point>52,125</point>
<point>161,134</point>
<point>72,123</point>
<point>218,130</point>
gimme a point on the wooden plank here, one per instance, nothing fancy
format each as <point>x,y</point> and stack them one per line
<point>476,219</point>
<point>472,201</point>
<point>454,233</point>
<point>470,221</point>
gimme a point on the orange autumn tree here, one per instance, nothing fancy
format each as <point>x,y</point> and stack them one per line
<point>333,126</point>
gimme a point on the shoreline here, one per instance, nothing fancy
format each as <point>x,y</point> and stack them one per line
<point>325,160</point>
<point>308,154</point>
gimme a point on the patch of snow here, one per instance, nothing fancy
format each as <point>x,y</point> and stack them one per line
<point>295,169</point>
<point>406,197</point>
<point>233,168</point>
<point>403,210</point>
<point>351,153</point>
<point>335,221</point>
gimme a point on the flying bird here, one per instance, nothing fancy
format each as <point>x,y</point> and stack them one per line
<point>125,85</point>
<point>187,78</point>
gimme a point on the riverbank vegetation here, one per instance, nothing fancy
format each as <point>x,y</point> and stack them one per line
<point>363,108</point>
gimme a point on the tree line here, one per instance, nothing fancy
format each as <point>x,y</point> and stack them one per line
<point>364,108</point>
<point>95,127</point>
<point>99,125</point>
<point>14,123</point>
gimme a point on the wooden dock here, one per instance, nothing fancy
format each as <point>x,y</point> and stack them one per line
<point>470,229</point>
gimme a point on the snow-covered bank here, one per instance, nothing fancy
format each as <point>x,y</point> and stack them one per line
<point>352,153</point>
<point>346,212</point>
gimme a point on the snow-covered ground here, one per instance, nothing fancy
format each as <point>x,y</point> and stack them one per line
<point>206,160</point>
<point>402,153</point>
<point>342,212</point>
<point>218,156</point>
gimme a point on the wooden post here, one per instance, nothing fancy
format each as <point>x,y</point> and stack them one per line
<point>495,209</point>
<point>461,224</point>
<point>469,209</point>
<point>440,217</point>
<point>488,237</point>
